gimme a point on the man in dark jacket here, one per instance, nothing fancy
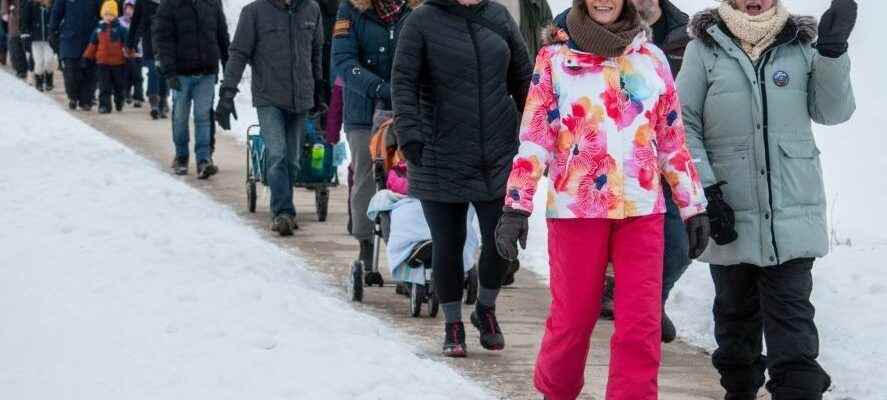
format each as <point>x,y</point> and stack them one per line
<point>365,36</point>
<point>72,24</point>
<point>11,12</point>
<point>460,80</point>
<point>282,41</point>
<point>140,32</point>
<point>190,39</point>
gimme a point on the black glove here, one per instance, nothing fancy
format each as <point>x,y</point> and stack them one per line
<point>512,229</point>
<point>413,152</point>
<point>720,215</point>
<point>384,91</point>
<point>172,82</point>
<point>698,231</point>
<point>54,41</point>
<point>225,109</point>
<point>320,105</point>
<point>835,27</point>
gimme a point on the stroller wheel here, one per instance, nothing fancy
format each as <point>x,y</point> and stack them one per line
<point>322,202</point>
<point>374,279</point>
<point>417,297</point>
<point>355,282</point>
<point>471,286</point>
<point>433,305</point>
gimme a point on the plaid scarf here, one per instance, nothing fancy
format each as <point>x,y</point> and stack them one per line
<point>388,10</point>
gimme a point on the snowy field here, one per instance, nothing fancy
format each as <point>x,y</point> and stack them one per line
<point>118,281</point>
<point>851,283</point>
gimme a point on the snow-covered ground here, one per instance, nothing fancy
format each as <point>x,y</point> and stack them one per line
<point>850,284</point>
<point>118,281</point>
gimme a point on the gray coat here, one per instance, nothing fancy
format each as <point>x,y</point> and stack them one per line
<point>284,47</point>
<point>750,126</point>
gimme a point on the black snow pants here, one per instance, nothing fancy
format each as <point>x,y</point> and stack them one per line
<point>134,80</point>
<point>773,304</point>
<point>80,82</point>
<point>112,80</point>
<point>448,224</point>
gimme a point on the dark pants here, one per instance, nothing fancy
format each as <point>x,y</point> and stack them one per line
<point>112,79</point>
<point>134,80</point>
<point>772,303</point>
<point>677,247</point>
<point>16,54</point>
<point>80,82</point>
<point>283,132</point>
<point>448,223</point>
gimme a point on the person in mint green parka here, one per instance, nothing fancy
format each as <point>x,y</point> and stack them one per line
<point>753,81</point>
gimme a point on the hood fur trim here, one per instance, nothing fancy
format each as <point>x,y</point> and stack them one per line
<point>806,26</point>
<point>365,5</point>
<point>553,34</point>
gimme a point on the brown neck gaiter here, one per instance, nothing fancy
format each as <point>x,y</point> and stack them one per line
<point>603,40</point>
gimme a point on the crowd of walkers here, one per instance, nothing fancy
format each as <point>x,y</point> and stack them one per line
<point>664,138</point>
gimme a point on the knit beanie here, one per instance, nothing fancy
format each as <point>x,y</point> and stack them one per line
<point>110,7</point>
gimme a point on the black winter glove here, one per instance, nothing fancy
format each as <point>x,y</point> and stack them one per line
<point>225,109</point>
<point>698,231</point>
<point>320,105</point>
<point>413,152</point>
<point>512,229</point>
<point>835,27</point>
<point>384,91</point>
<point>720,215</point>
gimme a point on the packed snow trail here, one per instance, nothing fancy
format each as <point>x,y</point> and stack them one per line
<point>120,282</point>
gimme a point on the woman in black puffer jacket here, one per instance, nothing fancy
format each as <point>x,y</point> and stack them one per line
<point>459,82</point>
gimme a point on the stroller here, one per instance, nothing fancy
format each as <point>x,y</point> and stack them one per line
<point>418,287</point>
<point>317,172</point>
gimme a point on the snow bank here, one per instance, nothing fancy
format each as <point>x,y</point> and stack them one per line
<point>850,291</point>
<point>120,282</point>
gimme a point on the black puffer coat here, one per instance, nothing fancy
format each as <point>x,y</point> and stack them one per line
<point>140,27</point>
<point>35,21</point>
<point>190,37</point>
<point>458,89</point>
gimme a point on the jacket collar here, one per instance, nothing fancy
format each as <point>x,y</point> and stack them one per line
<point>366,5</point>
<point>708,23</point>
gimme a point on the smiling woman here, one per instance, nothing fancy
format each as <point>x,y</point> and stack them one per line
<point>605,12</point>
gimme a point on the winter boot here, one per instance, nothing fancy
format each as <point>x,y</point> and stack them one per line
<point>607,299</point>
<point>118,105</point>
<point>454,340</point>
<point>38,83</point>
<point>137,103</point>
<point>72,105</point>
<point>154,101</point>
<point>104,109</point>
<point>88,107</point>
<point>281,225</point>
<point>180,165</point>
<point>48,83</point>
<point>421,255</point>
<point>206,169</point>
<point>484,319</point>
<point>509,274</point>
<point>669,332</point>
<point>366,254</point>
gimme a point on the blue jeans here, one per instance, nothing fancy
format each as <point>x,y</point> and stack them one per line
<point>284,133</point>
<point>199,89</point>
<point>677,247</point>
<point>156,83</point>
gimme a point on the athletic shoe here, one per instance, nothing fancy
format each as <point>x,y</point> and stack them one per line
<point>281,225</point>
<point>484,319</point>
<point>206,169</point>
<point>180,165</point>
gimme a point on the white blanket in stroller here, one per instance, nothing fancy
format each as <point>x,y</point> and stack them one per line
<point>408,228</point>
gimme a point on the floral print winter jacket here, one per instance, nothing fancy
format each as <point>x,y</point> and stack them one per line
<point>609,131</point>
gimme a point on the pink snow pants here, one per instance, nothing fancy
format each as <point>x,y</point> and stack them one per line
<point>579,250</point>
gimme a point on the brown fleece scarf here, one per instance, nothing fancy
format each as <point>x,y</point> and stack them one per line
<point>603,40</point>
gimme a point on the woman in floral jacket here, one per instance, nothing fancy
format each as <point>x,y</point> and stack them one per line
<point>603,117</point>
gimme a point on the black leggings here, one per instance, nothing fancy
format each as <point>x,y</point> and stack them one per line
<point>448,229</point>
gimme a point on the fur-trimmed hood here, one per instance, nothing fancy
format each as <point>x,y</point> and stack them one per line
<point>365,5</point>
<point>805,26</point>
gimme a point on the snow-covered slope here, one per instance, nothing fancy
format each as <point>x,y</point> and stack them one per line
<point>120,282</point>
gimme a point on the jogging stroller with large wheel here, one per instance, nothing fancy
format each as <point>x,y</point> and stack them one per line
<point>317,172</point>
<point>411,267</point>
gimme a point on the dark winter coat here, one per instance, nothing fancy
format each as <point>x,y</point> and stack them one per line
<point>363,53</point>
<point>35,21</point>
<point>106,44</point>
<point>283,45</point>
<point>534,16</point>
<point>750,125</point>
<point>459,90</point>
<point>190,37</point>
<point>74,21</point>
<point>677,38</point>
<point>140,27</point>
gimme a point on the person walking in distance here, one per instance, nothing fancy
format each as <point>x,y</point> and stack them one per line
<point>139,37</point>
<point>134,91</point>
<point>72,24</point>
<point>460,79</point>
<point>603,117</point>
<point>752,83</point>
<point>190,40</point>
<point>283,97</point>
<point>36,33</point>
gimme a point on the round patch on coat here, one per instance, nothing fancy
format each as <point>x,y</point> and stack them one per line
<point>781,78</point>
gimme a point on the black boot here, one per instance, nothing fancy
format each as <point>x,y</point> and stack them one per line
<point>484,319</point>
<point>669,332</point>
<point>281,225</point>
<point>154,101</point>
<point>206,169</point>
<point>48,83</point>
<point>164,107</point>
<point>38,82</point>
<point>72,105</point>
<point>607,312</point>
<point>366,254</point>
<point>180,165</point>
<point>454,340</point>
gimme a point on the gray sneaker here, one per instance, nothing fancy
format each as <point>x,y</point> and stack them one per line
<point>282,225</point>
